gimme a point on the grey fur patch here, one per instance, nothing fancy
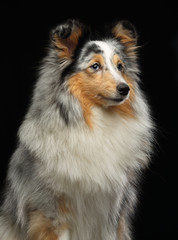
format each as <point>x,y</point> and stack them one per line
<point>90,48</point>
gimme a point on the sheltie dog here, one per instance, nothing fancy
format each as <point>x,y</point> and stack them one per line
<point>83,143</point>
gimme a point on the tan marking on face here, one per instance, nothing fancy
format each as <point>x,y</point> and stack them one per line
<point>91,87</point>
<point>116,59</point>
<point>97,58</point>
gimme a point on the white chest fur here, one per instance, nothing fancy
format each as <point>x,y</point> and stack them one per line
<point>95,157</point>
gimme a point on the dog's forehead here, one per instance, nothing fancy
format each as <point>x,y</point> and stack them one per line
<point>105,48</point>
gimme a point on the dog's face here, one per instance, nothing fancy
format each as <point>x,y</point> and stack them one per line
<point>100,74</point>
<point>97,69</point>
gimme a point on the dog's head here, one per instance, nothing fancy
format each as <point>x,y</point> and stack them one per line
<point>101,67</point>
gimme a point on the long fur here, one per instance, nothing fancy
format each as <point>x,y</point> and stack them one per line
<point>83,144</point>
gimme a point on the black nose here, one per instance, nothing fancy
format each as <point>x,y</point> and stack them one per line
<point>123,89</point>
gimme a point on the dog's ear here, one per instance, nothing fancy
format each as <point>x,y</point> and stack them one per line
<point>65,38</point>
<point>125,32</point>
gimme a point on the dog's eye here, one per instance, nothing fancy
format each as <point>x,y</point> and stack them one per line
<point>120,67</point>
<point>95,66</point>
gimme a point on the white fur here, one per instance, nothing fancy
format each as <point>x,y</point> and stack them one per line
<point>109,52</point>
<point>65,235</point>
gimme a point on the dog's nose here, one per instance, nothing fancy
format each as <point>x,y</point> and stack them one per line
<point>123,89</point>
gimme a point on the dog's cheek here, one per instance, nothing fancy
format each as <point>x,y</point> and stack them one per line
<point>77,85</point>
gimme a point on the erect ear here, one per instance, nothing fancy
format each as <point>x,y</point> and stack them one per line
<point>65,37</point>
<point>125,32</point>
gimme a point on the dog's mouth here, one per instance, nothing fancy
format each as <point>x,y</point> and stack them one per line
<point>113,100</point>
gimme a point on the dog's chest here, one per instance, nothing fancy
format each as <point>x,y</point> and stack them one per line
<point>95,158</point>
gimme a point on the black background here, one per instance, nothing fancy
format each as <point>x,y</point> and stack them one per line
<point>24,34</point>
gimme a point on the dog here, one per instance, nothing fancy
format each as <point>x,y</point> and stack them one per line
<point>84,142</point>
